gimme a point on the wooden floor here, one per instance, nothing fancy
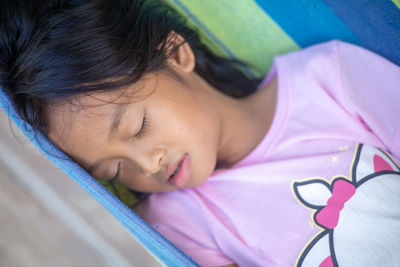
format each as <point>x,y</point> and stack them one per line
<point>33,236</point>
<point>46,219</point>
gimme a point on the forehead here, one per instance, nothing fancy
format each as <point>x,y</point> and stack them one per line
<point>88,117</point>
<point>74,122</point>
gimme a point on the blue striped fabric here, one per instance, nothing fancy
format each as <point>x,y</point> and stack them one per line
<point>307,21</point>
<point>376,24</point>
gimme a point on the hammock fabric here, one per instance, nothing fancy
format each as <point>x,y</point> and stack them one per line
<point>254,31</point>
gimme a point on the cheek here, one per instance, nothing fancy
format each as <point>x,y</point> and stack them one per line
<point>135,180</point>
<point>203,148</point>
<point>198,132</point>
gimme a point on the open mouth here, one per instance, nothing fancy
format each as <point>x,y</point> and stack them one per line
<point>176,171</point>
<point>181,175</point>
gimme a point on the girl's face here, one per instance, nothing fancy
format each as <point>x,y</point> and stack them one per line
<point>162,133</point>
<point>158,135</point>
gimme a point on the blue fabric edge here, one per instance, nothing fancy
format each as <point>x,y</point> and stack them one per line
<point>160,247</point>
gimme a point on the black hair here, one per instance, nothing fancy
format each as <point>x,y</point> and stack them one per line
<point>51,50</point>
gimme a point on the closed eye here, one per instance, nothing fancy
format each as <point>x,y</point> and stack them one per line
<point>142,130</point>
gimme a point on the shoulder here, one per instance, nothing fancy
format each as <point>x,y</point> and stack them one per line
<point>334,54</point>
<point>310,73</point>
<point>315,64</point>
<point>311,59</point>
<point>326,65</point>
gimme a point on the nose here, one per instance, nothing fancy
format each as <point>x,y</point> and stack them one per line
<point>150,162</point>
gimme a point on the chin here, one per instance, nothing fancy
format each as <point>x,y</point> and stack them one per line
<point>201,177</point>
<point>200,180</point>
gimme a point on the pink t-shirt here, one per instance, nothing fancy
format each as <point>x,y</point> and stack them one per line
<point>310,193</point>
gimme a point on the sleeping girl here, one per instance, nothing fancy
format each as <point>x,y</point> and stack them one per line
<point>297,169</point>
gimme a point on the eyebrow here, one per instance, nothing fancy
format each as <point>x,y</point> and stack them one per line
<point>116,118</point>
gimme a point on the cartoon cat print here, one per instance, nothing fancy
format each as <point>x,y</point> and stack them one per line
<point>359,216</point>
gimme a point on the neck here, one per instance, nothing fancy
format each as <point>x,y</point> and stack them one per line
<point>245,122</point>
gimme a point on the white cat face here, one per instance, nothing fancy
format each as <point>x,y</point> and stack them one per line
<point>360,216</point>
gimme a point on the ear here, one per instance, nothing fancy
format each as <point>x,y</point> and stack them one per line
<point>312,193</point>
<point>181,58</point>
<point>370,160</point>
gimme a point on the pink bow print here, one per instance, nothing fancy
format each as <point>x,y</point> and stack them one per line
<point>329,216</point>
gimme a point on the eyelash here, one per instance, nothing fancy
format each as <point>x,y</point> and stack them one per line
<point>142,129</point>
<point>115,178</point>
<point>139,135</point>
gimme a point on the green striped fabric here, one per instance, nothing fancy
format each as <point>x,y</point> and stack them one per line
<point>238,29</point>
<point>397,3</point>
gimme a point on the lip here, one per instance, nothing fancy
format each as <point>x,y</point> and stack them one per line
<point>181,178</point>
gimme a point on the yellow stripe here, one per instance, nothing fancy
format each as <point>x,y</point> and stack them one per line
<point>397,3</point>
